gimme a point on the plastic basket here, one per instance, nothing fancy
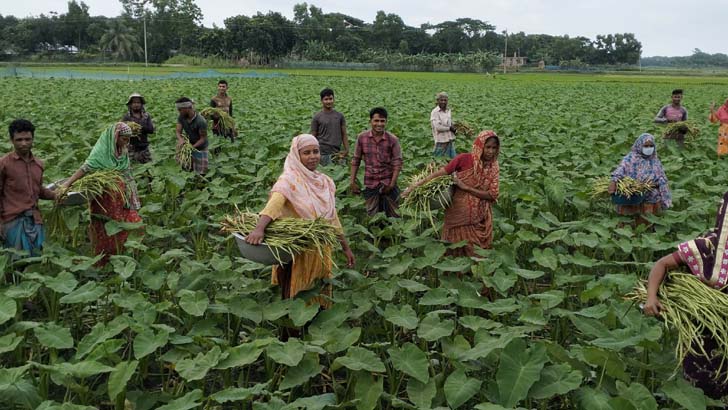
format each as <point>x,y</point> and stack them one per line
<point>623,200</point>
<point>259,253</point>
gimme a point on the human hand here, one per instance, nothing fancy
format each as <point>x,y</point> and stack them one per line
<point>354,188</point>
<point>712,106</point>
<point>255,237</point>
<point>406,192</point>
<point>458,182</point>
<point>652,307</point>
<point>612,187</point>
<point>350,260</point>
<point>453,129</point>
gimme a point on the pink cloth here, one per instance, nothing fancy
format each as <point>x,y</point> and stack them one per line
<point>311,193</point>
<point>720,115</point>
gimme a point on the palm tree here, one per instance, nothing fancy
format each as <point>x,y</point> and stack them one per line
<point>121,40</point>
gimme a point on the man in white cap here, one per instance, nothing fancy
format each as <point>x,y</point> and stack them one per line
<point>443,130</point>
<point>139,142</point>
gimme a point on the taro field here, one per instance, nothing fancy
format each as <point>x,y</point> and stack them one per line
<point>181,321</point>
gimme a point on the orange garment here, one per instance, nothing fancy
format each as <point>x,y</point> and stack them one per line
<point>307,267</point>
<point>721,116</point>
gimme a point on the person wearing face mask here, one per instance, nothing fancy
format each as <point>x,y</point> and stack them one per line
<point>110,153</point>
<point>642,164</point>
<point>302,192</point>
<point>721,117</point>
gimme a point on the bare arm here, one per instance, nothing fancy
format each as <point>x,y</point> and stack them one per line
<point>657,275</point>
<point>75,177</point>
<point>256,237</point>
<point>180,139</point>
<point>350,260</point>
<point>478,193</point>
<point>344,138</point>
<point>660,117</point>
<point>202,140</point>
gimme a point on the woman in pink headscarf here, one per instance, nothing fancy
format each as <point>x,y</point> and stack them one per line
<point>721,116</point>
<point>302,192</point>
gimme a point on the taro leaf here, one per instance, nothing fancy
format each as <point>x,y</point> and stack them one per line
<point>437,296</point>
<point>9,342</point>
<point>454,265</point>
<point>100,333</point>
<point>8,308</point>
<point>306,369</point>
<point>549,299</point>
<point>64,283</point>
<point>120,376</point>
<point>368,389</point>
<point>124,266</point>
<point>398,267</point>
<point>459,388</point>
<point>385,290</point>
<point>406,317</point>
<point>342,338</point>
<point>421,395</point>
<point>611,361</point>
<point>501,281</point>
<point>476,323</point>
<point>637,395</point>
<point>300,314</point>
<point>313,403</point>
<point>276,310</point>
<point>54,336</point>
<point>684,394</point>
<point>23,290</point>
<point>556,380</point>
<point>186,402</point>
<point>518,370</point>
<point>289,353</point>
<point>193,302</point>
<point>491,406</point>
<point>528,274</point>
<point>590,399</point>
<point>590,327</point>
<point>246,308</point>
<point>147,342</point>
<point>432,329</point>
<point>533,315</point>
<point>51,405</point>
<point>241,355</point>
<point>197,367</point>
<point>239,393</point>
<point>546,258</point>
<point>332,317</point>
<point>412,286</point>
<point>359,358</point>
<point>594,312</point>
<point>86,368</point>
<point>483,348</point>
<point>88,292</point>
<point>410,360</point>
<point>501,306</point>
<point>113,227</point>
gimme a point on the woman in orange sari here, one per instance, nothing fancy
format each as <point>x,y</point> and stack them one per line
<point>721,116</point>
<point>476,177</point>
<point>302,192</point>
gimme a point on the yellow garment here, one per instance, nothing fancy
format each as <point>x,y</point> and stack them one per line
<point>308,267</point>
<point>722,140</point>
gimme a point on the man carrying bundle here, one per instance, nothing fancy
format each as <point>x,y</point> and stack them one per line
<point>329,128</point>
<point>21,185</point>
<point>195,128</point>
<point>443,130</point>
<point>223,102</point>
<point>382,157</point>
<point>139,144</point>
<point>673,112</point>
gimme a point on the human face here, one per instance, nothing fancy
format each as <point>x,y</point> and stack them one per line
<point>328,102</point>
<point>378,124</point>
<point>648,143</point>
<point>676,99</point>
<point>23,142</point>
<point>310,156</point>
<point>490,150</point>
<point>442,103</point>
<point>222,89</point>
<point>185,112</point>
<point>121,141</point>
<point>136,104</point>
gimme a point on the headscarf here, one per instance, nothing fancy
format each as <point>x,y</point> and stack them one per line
<point>480,176</point>
<point>479,146</point>
<point>645,168</point>
<point>722,113</point>
<point>103,154</point>
<point>706,255</point>
<point>311,193</point>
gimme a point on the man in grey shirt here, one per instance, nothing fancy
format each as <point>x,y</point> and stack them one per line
<point>329,128</point>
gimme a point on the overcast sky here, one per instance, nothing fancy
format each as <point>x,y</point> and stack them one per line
<point>665,27</point>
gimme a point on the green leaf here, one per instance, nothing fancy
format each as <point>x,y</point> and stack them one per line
<point>51,405</point>
<point>368,389</point>
<point>313,403</point>
<point>300,314</point>
<point>410,360</point>
<point>186,402</point>
<point>289,353</point>
<point>637,395</point>
<point>684,394</point>
<point>88,292</point>
<point>148,342</point>
<point>590,399</point>
<point>197,367</point>
<point>412,286</point>
<point>119,377</point>
<point>8,308</point>
<point>459,388</point>
<point>241,355</point>
<point>54,336</point>
<point>420,394</point>
<point>113,227</point>
<point>306,369</point>
<point>239,393</point>
<point>437,296</point>
<point>546,258</point>
<point>518,370</point>
<point>432,329</point>
<point>124,266</point>
<point>476,323</point>
<point>9,342</point>
<point>359,358</point>
<point>86,368</point>
<point>64,283</point>
<point>406,317</point>
<point>556,380</point>
<point>193,302</point>
<point>100,333</point>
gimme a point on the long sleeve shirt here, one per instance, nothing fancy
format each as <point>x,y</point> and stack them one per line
<point>21,185</point>
<point>441,121</point>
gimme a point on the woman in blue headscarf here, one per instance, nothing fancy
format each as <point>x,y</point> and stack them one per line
<point>642,164</point>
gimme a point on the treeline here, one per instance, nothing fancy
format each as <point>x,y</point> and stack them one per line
<point>174,28</point>
<point>698,59</point>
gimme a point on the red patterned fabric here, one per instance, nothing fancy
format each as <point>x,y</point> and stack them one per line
<point>109,206</point>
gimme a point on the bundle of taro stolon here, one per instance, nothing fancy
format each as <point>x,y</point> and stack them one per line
<point>627,187</point>
<point>463,128</point>
<point>692,308</point>
<point>136,129</point>
<point>183,156</point>
<point>687,128</point>
<point>225,121</point>
<point>286,235</point>
<point>420,199</point>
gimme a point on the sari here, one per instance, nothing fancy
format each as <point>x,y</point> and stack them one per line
<point>469,218</point>
<point>707,258</point>
<point>721,117</point>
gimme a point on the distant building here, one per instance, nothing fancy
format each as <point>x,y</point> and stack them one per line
<point>514,62</point>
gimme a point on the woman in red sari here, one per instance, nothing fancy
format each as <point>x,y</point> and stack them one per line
<point>110,153</point>
<point>476,177</point>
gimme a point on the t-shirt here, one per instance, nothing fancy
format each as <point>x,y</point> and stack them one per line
<point>192,129</point>
<point>326,126</point>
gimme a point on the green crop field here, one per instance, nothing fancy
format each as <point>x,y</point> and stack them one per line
<point>181,321</point>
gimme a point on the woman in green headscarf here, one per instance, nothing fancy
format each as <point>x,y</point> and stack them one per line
<point>110,153</point>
